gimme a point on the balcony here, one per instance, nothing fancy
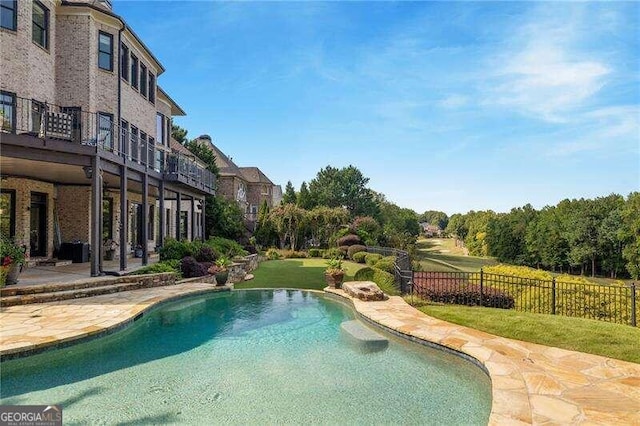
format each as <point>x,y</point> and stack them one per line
<point>74,126</point>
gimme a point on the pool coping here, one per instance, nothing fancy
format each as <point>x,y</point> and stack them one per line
<point>530,383</point>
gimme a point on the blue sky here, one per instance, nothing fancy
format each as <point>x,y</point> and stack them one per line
<point>443,105</point>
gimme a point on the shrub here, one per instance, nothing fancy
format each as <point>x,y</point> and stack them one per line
<point>383,279</point>
<point>359,257</point>
<point>295,255</point>
<point>356,248</point>
<point>349,240</point>
<point>167,266</point>
<point>250,248</point>
<point>174,249</point>
<point>226,247</point>
<point>206,254</point>
<point>386,264</point>
<point>332,253</point>
<point>272,254</point>
<point>372,258</point>
<point>343,251</point>
<point>190,268</point>
<point>461,292</point>
<point>315,252</point>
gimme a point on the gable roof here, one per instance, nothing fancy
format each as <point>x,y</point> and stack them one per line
<point>255,175</point>
<point>225,165</point>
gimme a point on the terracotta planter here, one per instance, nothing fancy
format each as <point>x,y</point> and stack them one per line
<point>334,280</point>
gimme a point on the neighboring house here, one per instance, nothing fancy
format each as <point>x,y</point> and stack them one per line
<point>248,186</point>
<point>85,132</point>
<point>276,199</point>
<point>431,230</point>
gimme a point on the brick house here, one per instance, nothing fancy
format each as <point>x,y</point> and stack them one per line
<point>248,186</point>
<point>85,133</point>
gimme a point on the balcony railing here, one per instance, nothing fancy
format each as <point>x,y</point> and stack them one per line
<point>44,120</point>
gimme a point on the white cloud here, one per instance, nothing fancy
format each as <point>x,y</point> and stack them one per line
<point>454,101</point>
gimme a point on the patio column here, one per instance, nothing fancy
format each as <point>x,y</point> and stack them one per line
<point>145,218</point>
<point>203,218</point>
<point>178,203</point>
<point>124,217</point>
<point>96,224</point>
<point>193,218</point>
<point>162,228</point>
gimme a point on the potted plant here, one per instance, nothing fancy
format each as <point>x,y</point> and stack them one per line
<point>12,258</point>
<point>137,251</point>
<point>334,274</point>
<point>110,247</point>
<point>221,270</point>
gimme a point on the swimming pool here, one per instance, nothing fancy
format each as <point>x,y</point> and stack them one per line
<point>249,357</point>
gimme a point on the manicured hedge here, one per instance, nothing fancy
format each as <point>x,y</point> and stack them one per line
<point>359,257</point>
<point>315,252</point>
<point>356,248</point>
<point>386,264</point>
<point>463,293</point>
<point>372,258</point>
<point>349,240</point>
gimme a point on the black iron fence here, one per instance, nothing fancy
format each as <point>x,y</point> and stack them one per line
<point>72,124</point>
<point>613,303</point>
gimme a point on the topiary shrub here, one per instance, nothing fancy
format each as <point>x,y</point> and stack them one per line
<point>272,254</point>
<point>356,248</point>
<point>206,254</point>
<point>295,255</point>
<point>332,253</point>
<point>359,257</point>
<point>349,240</point>
<point>372,258</point>
<point>315,252</point>
<point>383,279</point>
<point>343,251</point>
<point>190,268</point>
<point>386,264</point>
<point>174,249</point>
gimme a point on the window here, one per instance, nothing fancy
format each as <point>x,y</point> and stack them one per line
<point>134,71</point>
<point>105,51</point>
<point>124,62</point>
<point>143,148</point>
<point>159,161</point>
<point>152,88</point>
<point>105,130</point>
<point>151,154</point>
<point>160,127</point>
<point>37,113</point>
<point>40,27</point>
<point>107,219</point>
<point>151,223</point>
<point>124,137</point>
<point>134,143</point>
<point>143,80</point>
<point>9,14</point>
<point>8,213</point>
<point>8,111</point>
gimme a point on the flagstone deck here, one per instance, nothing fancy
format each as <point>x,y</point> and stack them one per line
<point>531,384</point>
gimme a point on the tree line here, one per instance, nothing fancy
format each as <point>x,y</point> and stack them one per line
<point>599,236</point>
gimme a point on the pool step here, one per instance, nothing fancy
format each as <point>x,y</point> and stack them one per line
<point>65,291</point>
<point>365,338</point>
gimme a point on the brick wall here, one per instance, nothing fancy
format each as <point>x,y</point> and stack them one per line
<point>74,213</point>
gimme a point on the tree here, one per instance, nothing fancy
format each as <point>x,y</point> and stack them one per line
<point>179,134</point>
<point>264,233</point>
<point>286,220</point>
<point>436,218</point>
<point>630,234</point>
<point>289,196</point>
<point>304,200</point>
<point>200,149</point>
<point>223,218</point>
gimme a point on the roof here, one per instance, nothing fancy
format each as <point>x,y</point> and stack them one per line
<point>255,175</point>
<point>175,108</point>
<point>225,165</point>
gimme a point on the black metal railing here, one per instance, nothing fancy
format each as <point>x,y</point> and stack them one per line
<point>613,303</point>
<point>71,124</point>
<point>402,266</point>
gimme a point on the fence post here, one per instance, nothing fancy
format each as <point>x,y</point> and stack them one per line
<point>481,287</point>
<point>633,304</point>
<point>553,296</point>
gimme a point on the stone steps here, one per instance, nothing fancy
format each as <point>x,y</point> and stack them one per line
<point>79,289</point>
<point>366,339</point>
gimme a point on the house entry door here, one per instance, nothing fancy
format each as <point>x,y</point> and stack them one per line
<point>38,222</point>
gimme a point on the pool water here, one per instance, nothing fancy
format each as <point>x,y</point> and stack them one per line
<point>249,357</point>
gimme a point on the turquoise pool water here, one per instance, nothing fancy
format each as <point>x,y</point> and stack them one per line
<point>248,357</point>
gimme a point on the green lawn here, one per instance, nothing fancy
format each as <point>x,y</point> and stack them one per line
<point>590,336</point>
<point>295,273</point>
<point>441,255</point>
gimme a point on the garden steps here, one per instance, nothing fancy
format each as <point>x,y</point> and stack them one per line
<point>25,295</point>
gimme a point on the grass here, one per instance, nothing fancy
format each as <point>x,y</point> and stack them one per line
<point>295,273</point>
<point>441,255</point>
<point>577,334</point>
